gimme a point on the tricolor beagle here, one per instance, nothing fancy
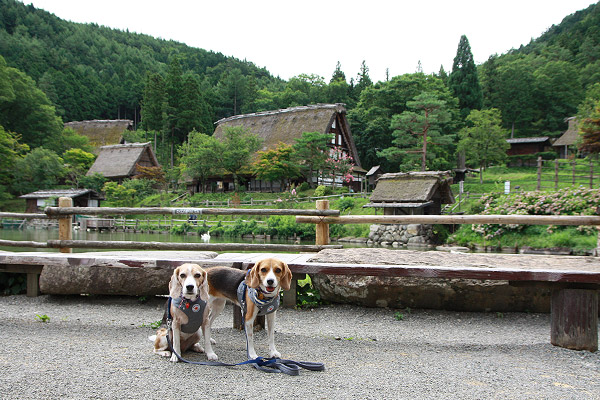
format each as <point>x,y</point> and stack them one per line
<point>189,309</point>
<point>255,291</point>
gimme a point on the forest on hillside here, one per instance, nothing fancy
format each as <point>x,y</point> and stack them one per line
<point>54,71</point>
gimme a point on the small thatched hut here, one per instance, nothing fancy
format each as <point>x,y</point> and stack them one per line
<point>119,161</point>
<point>37,201</point>
<point>565,144</point>
<point>288,124</point>
<point>412,193</point>
<point>102,132</point>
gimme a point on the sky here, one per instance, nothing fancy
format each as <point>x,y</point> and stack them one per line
<point>290,38</point>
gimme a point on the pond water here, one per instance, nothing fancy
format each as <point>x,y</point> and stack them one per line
<point>42,235</point>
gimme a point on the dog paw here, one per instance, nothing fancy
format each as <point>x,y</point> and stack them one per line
<point>212,356</point>
<point>213,341</point>
<point>252,355</point>
<point>198,348</point>
<point>174,358</point>
<point>274,354</point>
<point>163,353</point>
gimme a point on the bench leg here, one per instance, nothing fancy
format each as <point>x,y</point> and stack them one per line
<point>289,297</point>
<point>33,284</point>
<point>574,314</point>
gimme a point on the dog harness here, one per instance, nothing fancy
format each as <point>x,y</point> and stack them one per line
<point>266,306</point>
<point>194,310</point>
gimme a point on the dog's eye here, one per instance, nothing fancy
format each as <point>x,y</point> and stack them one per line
<point>263,270</point>
<point>182,276</point>
<point>197,275</point>
<point>277,270</point>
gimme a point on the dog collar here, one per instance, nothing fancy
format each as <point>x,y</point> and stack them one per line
<point>194,310</point>
<point>265,306</point>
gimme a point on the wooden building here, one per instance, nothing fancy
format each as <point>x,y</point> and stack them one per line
<point>372,175</point>
<point>286,125</point>
<point>102,132</point>
<point>37,201</point>
<point>412,193</point>
<point>118,162</point>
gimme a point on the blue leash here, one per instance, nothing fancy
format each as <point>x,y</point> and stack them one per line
<point>270,365</point>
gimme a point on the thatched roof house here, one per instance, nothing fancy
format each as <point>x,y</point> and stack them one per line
<point>119,161</point>
<point>102,132</point>
<point>412,193</point>
<point>566,143</point>
<point>288,124</point>
<point>37,201</point>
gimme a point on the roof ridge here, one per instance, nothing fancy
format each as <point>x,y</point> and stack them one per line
<point>285,110</point>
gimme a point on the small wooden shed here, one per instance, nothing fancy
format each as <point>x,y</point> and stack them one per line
<point>566,143</point>
<point>118,162</point>
<point>412,193</point>
<point>37,201</point>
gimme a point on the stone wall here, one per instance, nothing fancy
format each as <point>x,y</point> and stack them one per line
<point>396,235</point>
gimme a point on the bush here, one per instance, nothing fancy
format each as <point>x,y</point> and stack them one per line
<point>322,191</point>
<point>303,187</point>
<point>344,203</point>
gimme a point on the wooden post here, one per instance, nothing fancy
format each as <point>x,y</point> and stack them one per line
<point>65,230</point>
<point>574,314</point>
<point>539,173</point>
<point>555,174</point>
<point>591,174</point>
<point>290,296</point>
<point>322,228</point>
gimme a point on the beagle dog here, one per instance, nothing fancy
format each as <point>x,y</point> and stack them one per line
<point>256,292</point>
<point>188,291</point>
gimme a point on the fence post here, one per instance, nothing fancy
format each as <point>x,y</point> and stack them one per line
<point>539,173</point>
<point>555,174</point>
<point>65,230</point>
<point>322,228</point>
<point>591,174</point>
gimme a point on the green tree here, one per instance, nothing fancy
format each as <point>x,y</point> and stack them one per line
<point>311,153</point>
<point>197,157</point>
<point>483,139</point>
<point>590,131</point>
<point>463,80</point>
<point>236,150</point>
<point>415,132</point>
<point>10,152</point>
<point>39,169</point>
<point>94,181</point>
<point>153,105</point>
<point>276,165</point>
<point>174,89</point>
<point>119,195</point>
<point>25,110</point>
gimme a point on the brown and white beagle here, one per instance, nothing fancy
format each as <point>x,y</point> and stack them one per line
<point>255,291</point>
<point>189,310</point>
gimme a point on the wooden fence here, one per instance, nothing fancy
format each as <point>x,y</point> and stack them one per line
<point>555,174</point>
<point>322,217</point>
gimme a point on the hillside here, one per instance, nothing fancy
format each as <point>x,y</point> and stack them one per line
<point>94,72</point>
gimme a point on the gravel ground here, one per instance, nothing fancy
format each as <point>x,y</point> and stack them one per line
<point>97,347</point>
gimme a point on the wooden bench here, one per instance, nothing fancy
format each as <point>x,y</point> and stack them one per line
<point>574,304</point>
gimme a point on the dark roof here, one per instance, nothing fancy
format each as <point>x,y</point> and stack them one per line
<point>48,193</point>
<point>540,139</point>
<point>119,161</point>
<point>413,187</point>
<point>102,132</point>
<point>570,136</point>
<point>287,124</point>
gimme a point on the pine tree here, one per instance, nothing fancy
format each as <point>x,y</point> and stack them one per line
<point>338,74</point>
<point>464,82</point>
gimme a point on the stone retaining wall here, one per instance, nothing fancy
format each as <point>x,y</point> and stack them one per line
<point>397,235</point>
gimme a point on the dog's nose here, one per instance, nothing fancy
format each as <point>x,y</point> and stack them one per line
<point>270,282</point>
<point>190,288</point>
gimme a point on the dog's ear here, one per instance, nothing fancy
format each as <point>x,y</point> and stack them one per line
<point>286,276</point>
<point>175,287</point>
<point>204,286</point>
<point>252,278</point>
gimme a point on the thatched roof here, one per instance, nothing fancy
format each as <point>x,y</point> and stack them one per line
<point>72,193</point>
<point>119,161</point>
<point>540,139</point>
<point>288,124</point>
<point>570,136</point>
<point>102,132</point>
<point>412,188</point>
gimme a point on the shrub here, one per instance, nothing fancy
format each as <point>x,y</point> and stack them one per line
<point>304,186</point>
<point>344,203</point>
<point>322,191</point>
